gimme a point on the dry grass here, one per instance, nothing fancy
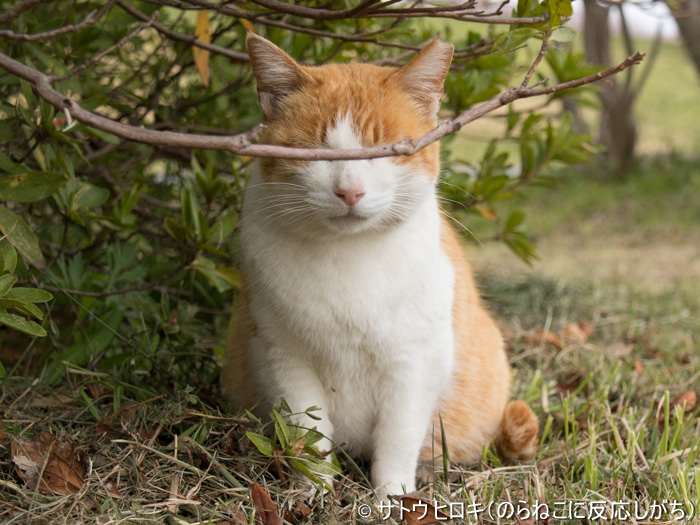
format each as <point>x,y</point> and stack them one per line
<point>610,430</point>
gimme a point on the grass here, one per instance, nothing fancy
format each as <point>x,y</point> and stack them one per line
<point>609,429</point>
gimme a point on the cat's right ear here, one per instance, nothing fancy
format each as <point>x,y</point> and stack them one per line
<point>276,73</point>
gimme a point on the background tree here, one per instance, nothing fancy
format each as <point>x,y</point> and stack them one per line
<point>687,16</point>
<point>618,128</point>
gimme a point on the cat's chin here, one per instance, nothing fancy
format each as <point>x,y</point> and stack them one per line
<point>350,223</point>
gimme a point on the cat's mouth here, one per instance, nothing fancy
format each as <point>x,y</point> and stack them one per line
<point>349,221</point>
<point>352,218</point>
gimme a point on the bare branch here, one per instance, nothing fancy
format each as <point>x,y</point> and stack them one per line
<point>628,43</point>
<point>92,18</point>
<point>107,51</point>
<point>18,9</point>
<point>192,40</point>
<point>653,54</point>
<point>463,12</point>
<point>540,56</point>
<point>241,144</point>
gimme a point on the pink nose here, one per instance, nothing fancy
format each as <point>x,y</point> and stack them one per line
<point>349,196</point>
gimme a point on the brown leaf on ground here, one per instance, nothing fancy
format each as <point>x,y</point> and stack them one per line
<point>577,332</point>
<point>418,509</point>
<point>105,428</point>
<point>265,512</point>
<point>638,368</point>
<point>276,467</point>
<point>239,518</point>
<point>686,398</point>
<point>570,383</point>
<point>63,467</point>
<point>113,489</point>
<point>549,338</point>
<point>298,514</point>
<point>97,391</point>
<point>57,400</point>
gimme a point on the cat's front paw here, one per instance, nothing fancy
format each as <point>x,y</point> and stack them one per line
<point>310,490</point>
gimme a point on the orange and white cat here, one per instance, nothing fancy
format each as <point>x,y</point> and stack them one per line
<point>357,297</point>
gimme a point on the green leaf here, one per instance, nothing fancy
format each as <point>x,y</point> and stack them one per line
<point>8,256</point>
<point>3,373</point>
<point>512,39</point>
<point>175,229</point>
<point>21,324</point>
<point>29,295</point>
<point>29,186</point>
<point>7,166</point>
<point>6,282</point>
<point>23,308</point>
<point>281,429</point>
<point>222,228</point>
<point>264,444</point>
<point>563,34</point>
<point>516,219</point>
<point>21,236</point>
<point>221,277</point>
<point>89,196</point>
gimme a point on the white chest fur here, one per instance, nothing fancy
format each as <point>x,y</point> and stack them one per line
<point>361,322</point>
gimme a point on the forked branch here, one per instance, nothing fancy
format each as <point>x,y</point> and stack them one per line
<point>243,144</point>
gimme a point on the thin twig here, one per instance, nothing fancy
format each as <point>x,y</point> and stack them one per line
<point>189,39</point>
<point>538,59</point>
<point>18,9</point>
<point>107,51</point>
<point>455,12</point>
<point>92,18</point>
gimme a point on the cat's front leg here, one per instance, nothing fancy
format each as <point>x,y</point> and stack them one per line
<point>298,384</point>
<point>403,418</point>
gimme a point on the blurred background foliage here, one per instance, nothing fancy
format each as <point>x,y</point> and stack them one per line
<point>136,244</point>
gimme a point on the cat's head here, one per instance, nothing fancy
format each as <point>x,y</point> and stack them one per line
<point>348,106</point>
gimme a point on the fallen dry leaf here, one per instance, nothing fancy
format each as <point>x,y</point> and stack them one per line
<point>239,518</point>
<point>570,383</point>
<point>418,509</point>
<point>638,368</point>
<point>686,398</point>
<point>550,338</point>
<point>112,488</point>
<point>276,467</point>
<point>577,332</point>
<point>298,514</point>
<point>265,512</point>
<point>57,400</point>
<point>63,467</point>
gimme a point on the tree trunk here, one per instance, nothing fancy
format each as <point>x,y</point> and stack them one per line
<point>687,15</point>
<point>618,130</point>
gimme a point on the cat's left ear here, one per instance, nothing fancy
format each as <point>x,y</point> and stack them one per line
<point>277,74</point>
<point>424,76</point>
